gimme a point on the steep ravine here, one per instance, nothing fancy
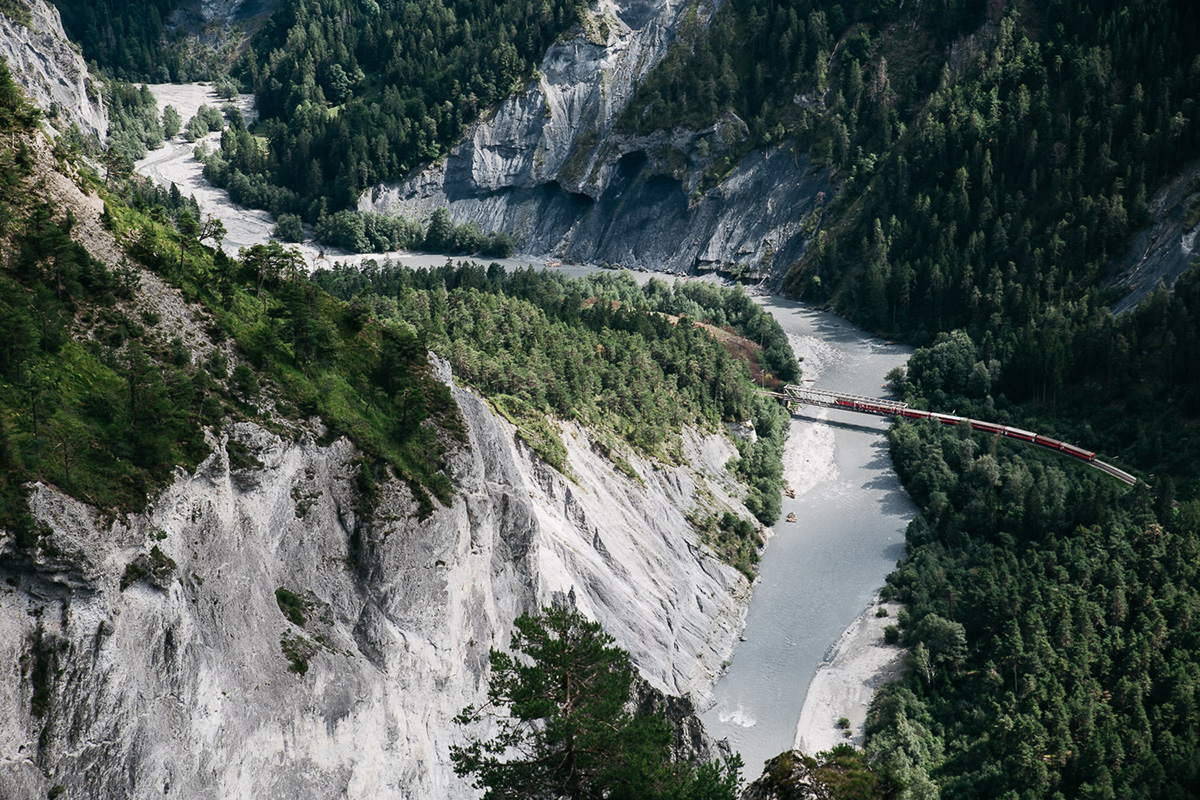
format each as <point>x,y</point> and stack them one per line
<point>179,684</point>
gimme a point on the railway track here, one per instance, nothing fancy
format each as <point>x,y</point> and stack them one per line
<point>793,395</point>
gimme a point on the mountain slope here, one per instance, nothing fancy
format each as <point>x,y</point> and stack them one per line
<point>52,73</point>
<point>276,597</point>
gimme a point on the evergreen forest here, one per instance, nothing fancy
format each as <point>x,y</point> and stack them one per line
<point>633,363</point>
<point>98,401</point>
<point>994,158</point>
<point>354,93</point>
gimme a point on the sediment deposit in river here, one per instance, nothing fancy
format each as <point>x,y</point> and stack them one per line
<point>818,574</point>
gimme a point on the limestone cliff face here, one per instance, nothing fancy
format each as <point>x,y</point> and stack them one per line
<point>51,70</point>
<point>181,683</point>
<point>549,166</point>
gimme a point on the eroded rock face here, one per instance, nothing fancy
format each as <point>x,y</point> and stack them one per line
<point>551,167</point>
<point>52,72</point>
<point>201,16</point>
<point>1163,250</point>
<point>191,681</point>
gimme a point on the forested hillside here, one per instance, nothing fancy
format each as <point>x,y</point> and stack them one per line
<point>101,398</point>
<point>136,41</point>
<point>635,364</point>
<point>994,156</point>
<point>354,93</point>
<point>994,159</point>
<point>1051,619</point>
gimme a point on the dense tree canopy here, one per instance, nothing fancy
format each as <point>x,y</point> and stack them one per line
<point>142,40</point>
<point>627,360</point>
<point>352,93</point>
<point>560,703</point>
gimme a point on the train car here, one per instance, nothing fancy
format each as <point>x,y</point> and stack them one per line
<point>1046,441</point>
<point>1078,452</point>
<point>1017,433</point>
<point>986,427</point>
<point>912,413</point>
<point>946,419</point>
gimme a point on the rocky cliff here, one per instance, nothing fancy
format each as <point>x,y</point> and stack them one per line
<point>201,16</point>
<point>51,69</point>
<point>551,167</point>
<point>1167,246</point>
<point>149,654</point>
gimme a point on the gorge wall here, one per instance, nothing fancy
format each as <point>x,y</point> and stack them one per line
<point>51,70</point>
<point>182,683</point>
<point>551,166</point>
<point>147,654</point>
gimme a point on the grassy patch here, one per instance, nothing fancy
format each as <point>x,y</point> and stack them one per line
<point>292,605</point>
<point>535,429</point>
<point>1192,218</point>
<point>41,674</point>
<point>156,566</point>
<point>297,650</point>
<point>17,12</point>
<point>611,453</point>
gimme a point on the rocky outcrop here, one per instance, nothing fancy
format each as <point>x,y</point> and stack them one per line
<point>1162,251</point>
<point>788,776</point>
<point>551,167</point>
<point>51,69</point>
<point>150,654</point>
<point>202,15</point>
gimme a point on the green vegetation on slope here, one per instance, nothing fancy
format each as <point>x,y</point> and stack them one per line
<point>1050,608</point>
<point>623,359</point>
<point>987,186</point>
<point>90,399</point>
<point>1024,175</point>
<point>99,399</point>
<point>354,93</point>
<point>560,728</point>
<point>132,40</point>
<point>1052,623</point>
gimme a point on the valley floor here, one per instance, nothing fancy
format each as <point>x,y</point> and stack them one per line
<point>858,664</point>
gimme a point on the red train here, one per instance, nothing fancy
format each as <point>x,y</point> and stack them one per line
<point>1069,449</point>
<point>867,407</point>
<point>976,425</point>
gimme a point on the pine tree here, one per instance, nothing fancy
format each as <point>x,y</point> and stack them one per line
<point>559,706</point>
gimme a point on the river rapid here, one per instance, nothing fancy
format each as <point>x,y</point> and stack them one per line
<point>818,578</point>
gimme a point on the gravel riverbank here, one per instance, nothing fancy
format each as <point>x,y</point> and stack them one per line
<point>858,663</point>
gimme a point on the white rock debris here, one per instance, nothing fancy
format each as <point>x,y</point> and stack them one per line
<point>552,166</point>
<point>181,684</point>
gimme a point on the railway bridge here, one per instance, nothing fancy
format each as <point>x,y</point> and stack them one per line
<point>796,397</point>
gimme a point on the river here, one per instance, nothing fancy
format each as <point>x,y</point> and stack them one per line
<point>822,572</point>
<point>817,575</point>
<point>173,163</point>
